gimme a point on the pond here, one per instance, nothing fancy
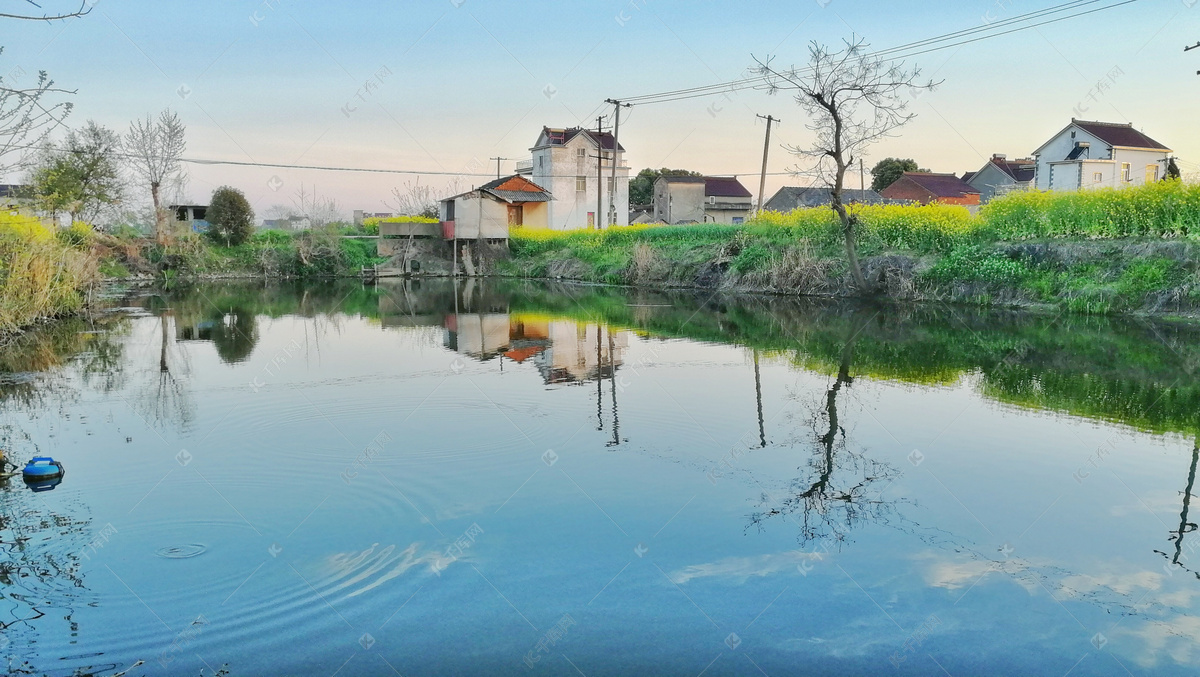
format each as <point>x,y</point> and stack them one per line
<point>508,478</point>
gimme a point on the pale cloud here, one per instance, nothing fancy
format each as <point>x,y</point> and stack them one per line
<point>742,568</point>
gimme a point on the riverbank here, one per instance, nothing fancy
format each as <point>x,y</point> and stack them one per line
<point>43,274</point>
<point>1131,251</point>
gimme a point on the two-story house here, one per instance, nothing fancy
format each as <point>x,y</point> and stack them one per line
<point>566,163</point>
<point>701,199</point>
<point>1089,154</point>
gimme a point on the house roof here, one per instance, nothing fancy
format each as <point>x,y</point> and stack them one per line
<point>967,176</point>
<point>940,185</point>
<point>1021,171</point>
<point>1115,134</point>
<point>1112,133</point>
<point>515,188</point>
<point>724,186</point>
<point>11,190</point>
<point>682,179</point>
<point>791,197</point>
<point>558,136</point>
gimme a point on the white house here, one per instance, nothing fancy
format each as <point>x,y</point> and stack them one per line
<point>565,163</point>
<point>1088,154</point>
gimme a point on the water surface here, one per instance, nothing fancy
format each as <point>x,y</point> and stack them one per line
<point>518,479</point>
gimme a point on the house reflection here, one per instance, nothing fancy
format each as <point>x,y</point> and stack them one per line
<point>482,326</point>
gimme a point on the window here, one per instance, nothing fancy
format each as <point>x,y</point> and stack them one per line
<point>581,183</point>
<point>1126,172</point>
<point>1151,173</point>
<point>540,161</point>
<point>609,185</point>
<point>737,220</point>
<point>1097,177</point>
<point>581,153</point>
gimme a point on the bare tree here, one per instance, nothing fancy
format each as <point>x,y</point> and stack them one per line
<point>414,199</point>
<point>317,209</point>
<point>155,148</point>
<point>854,99</point>
<point>27,115</point>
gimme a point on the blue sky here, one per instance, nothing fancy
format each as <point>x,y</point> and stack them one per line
<point>457,82</point>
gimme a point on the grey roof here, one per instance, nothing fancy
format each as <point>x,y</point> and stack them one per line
<point>791,197</point>
<point>493,188</point>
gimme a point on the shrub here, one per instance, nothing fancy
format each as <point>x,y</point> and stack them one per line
<point>80,235</point>
<point>230,218</point>
<point>40,277</point>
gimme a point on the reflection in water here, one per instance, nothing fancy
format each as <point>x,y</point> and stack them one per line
<point>560,338</point>
<point>840,492</point>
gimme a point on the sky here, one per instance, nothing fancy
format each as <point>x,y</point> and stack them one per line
<point>444,85</point>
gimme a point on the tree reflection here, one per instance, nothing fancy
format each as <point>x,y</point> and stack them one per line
<point>839,492</point>
<point>234,333</point>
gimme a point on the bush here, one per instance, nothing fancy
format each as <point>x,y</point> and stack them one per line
<point>40,276</point>
<point>230,218</point>
<point>80,235</point>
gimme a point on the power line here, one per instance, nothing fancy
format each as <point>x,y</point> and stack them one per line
<point>898,52</point>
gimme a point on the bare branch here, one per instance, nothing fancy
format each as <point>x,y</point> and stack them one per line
<point>84,9</point>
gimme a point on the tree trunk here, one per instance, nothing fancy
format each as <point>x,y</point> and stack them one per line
<point>160,225</point>
<point>851,241</point>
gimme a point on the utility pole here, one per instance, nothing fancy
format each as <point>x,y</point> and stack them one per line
<point>612,205</point>
<point>498,159</point>
<point>599,172</point>
<point>762,182</point>
<point>1188,49</point>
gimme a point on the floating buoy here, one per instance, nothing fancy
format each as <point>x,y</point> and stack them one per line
<point>43,469</point>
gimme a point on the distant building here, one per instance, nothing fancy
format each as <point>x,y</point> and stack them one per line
<point>291,223</point>
<point>789,198</point>
<point>191,217</point>
<point>14,195</point>
<point>565,161</point>
<point>360,216</point>
<point>928,187</point>
<point>1089,154</point>
<point>1001,175</point>
<point>701,199</point>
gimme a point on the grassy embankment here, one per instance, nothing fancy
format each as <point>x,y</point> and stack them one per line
<point>321,252</point>
<point>43,274</point>
<point>1131,250</point>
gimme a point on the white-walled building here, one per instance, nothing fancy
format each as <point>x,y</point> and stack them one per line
<point>1088,154</point>
<point>565,163</point>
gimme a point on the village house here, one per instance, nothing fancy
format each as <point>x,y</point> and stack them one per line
<point>701,199</point>
<point>928,187</point>
<point>565,161</point>
<point>1001,175</point>
<point>1088,154</point>
<point>191,217</point>
<point>487,212</point>
<point>14,195</point>
<point>790,198</point>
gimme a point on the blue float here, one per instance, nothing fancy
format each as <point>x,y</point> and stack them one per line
<point>43,469</point>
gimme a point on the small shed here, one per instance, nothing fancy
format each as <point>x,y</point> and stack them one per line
<point>487,212</point>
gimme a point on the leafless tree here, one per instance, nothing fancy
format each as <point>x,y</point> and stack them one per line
<point>155,147</point>
<point>28,114</point>
<point>853,99</point>
<point>414,199</point>
<point>319,210</point>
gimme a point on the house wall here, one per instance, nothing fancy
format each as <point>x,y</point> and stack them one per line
<point>725,215</point>
<point>1059,148</point>
<point>677,202</point>
<point>988,180</point>
<point>555,168</point>
<point>1138,160</point>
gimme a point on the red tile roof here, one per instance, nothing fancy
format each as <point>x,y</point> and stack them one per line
<point>941,185</point>
<point>1115,134</point>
